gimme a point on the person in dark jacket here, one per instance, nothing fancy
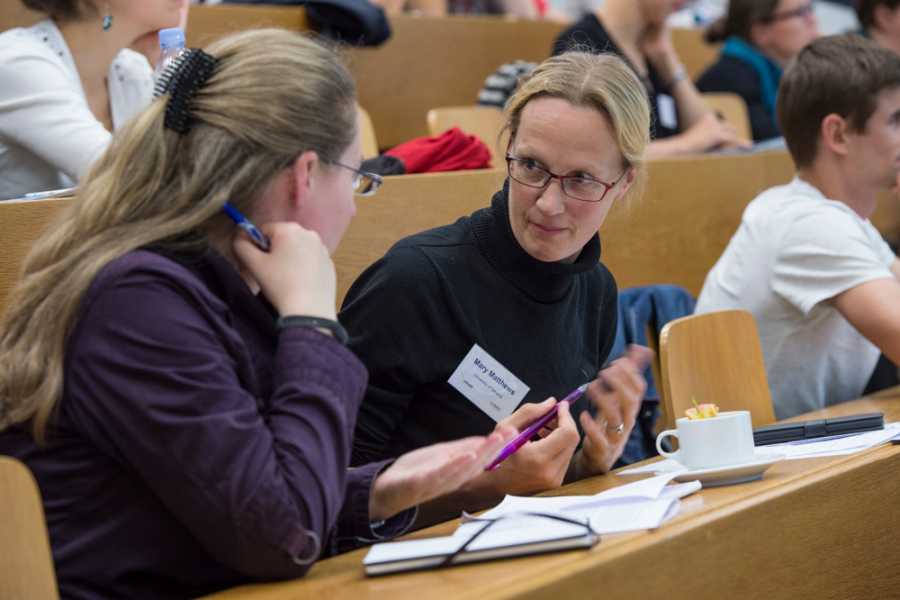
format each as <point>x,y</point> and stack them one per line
<point>479,322</point>
<point>183,396</point>
<point>760,37</point>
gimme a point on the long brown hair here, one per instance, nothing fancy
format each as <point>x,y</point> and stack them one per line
<point>273,95</point>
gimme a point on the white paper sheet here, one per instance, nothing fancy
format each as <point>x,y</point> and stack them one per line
<point>644,504</point>
<point>837,446</point>
<point>832,446</point>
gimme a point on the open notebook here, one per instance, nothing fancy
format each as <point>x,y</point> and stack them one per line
<point>509,536</point>
<point>520,526</point>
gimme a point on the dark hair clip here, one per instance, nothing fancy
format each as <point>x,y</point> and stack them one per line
<point>181,79</point>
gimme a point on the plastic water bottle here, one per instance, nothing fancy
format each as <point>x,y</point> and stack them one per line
<point>171,43</point>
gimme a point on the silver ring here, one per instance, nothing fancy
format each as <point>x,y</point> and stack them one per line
<point>618,429</point>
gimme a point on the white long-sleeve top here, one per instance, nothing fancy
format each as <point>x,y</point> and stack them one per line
<point>48,135</point>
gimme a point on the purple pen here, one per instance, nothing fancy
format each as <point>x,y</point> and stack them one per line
<point>256,236</point>
<point>529,432</point>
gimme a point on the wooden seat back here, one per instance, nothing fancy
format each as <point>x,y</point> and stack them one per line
<point>486,122</point>
<point>695,54</point>
<point>26,563</point>
<point>733,110</point>
<point>24,221</point>
<point>206,23</point>
<point>438,61</point>
<point>714,358</point>
<point>408,204</point>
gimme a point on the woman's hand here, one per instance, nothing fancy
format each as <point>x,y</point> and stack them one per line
<point>433,471</point>
<point>296,274</point>
<point>538,465</point>
<point>616,394</point>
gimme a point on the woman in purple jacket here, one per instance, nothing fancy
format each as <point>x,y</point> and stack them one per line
<point>182,395</point>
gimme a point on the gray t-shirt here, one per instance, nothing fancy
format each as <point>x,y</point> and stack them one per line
<point>794,250</point>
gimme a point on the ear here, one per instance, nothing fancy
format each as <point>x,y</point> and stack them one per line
<point>303,172</point>
<point>833,134</point>
<point>629,179</point>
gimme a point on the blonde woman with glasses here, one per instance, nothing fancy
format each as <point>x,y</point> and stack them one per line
<point>179,385</point>
<point>478,324</point>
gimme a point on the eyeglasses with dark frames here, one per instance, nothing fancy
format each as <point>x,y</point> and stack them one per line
<point>800,11</point>
<point>364,183</point>
<point>531,174</point>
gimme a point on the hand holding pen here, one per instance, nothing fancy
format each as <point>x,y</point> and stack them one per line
<point>295,273</point>
<point>535,427</point>
<point>539,464</point>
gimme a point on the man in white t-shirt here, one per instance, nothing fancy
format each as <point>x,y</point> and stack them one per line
<point>806,262</point>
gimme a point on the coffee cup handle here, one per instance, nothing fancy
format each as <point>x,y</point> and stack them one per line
<point>667,433</point>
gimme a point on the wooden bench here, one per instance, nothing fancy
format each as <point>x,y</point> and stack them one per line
<point>209,22</point>
<point>14,14</point>
<point>695,54</point>
<point>431,62</point>
<point>405,205</point>
<point>673,234</point>
<point>24,221</point>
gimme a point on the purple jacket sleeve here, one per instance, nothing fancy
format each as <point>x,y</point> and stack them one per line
<point>155,376</point>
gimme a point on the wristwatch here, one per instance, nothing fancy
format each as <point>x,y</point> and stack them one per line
<point>336,329</point>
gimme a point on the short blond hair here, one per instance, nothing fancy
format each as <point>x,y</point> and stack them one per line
<point>599,81</point>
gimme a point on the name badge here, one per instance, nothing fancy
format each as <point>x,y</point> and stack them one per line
<point>666,111</point>
<point>487,384</point>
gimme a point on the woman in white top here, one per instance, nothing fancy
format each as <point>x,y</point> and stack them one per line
<point>68,82</point>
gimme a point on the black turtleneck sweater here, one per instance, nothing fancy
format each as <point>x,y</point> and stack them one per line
<point>413,315</point>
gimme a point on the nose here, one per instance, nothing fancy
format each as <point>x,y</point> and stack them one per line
<point>552,200</point>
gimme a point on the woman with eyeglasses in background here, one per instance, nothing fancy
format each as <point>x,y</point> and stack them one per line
<point>183,395</point>
<point>760,37</point>
<point>479,323</point>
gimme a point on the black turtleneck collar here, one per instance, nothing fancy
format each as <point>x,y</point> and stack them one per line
<point>542,281</point>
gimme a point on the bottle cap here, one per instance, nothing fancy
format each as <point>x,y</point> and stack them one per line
<point>172,37</point>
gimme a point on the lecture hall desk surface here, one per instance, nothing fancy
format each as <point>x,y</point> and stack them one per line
<point>822,528</point>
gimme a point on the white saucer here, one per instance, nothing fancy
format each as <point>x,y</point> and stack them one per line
<point>731,474</point>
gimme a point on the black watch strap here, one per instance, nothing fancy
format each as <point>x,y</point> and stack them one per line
<point>340,334</point>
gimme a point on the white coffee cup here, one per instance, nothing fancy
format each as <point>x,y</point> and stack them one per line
<point>726,439</point>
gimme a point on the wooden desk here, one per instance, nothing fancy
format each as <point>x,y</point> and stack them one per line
<point>823,528</point>
<point>431,62</point>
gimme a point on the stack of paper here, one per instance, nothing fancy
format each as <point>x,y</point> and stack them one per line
<point>517,527</point>
<point>813,448</point>
<point>645,504</point>
<point>836,446</point>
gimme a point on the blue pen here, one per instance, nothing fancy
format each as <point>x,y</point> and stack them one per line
<point>256,236</point>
